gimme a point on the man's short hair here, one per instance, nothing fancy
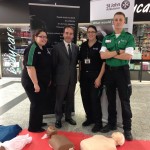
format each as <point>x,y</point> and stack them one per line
<point>68,26</point>
<point>120,13</point>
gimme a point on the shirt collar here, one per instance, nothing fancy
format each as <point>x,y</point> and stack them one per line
<point>122,32</point>
<point>66,44</point>
<point>38,46</point>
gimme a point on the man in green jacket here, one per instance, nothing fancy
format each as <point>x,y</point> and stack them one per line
<point>117,49</point>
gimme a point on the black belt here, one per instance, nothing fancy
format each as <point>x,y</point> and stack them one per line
<point>107,67</point>
<point>89,71</point>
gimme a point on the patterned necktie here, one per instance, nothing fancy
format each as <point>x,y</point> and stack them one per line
<point>69,51</point>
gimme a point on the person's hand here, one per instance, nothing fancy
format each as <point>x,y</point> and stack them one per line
<point>97,82</point>
<point>36,88</point>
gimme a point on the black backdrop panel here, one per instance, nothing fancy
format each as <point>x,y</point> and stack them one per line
<point>17,11</point>
<point>84,15</point>
<point>53,19</point>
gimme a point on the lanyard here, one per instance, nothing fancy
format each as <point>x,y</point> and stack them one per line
<point>87,52</point>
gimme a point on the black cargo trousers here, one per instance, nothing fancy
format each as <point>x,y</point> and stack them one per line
<point>119,78</point>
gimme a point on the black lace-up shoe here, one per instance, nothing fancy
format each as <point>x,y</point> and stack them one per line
<point>36,130</point>
<point>71,121</point>
<point>87,123</point>
<point>96,128</point>
<point>44,124</point>
<point>58,124</point>
<point>108,128</point>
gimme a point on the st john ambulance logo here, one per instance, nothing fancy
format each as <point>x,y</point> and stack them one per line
<point>125,4</point>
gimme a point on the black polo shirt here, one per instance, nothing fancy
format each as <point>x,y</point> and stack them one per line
<point>40,59</point>
<point>91,53</point>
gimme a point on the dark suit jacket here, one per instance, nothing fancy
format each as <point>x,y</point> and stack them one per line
<point>65,70</point>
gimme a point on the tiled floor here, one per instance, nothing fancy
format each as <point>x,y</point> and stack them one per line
<point>14,108</point>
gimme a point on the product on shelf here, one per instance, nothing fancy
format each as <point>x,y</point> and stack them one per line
<point>146,55</point>
<point>145,66</point>
<point>137,67</point>
<point>137,54</point>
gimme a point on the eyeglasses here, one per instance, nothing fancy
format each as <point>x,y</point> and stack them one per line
<point>92,32</point>
<point>42,37</point>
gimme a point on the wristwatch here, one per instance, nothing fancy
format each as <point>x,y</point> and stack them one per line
<point>118,52</point>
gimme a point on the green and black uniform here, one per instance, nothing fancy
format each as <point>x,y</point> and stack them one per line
<point>118,76</point>
<point>41,60</point>
<point>88,74</point>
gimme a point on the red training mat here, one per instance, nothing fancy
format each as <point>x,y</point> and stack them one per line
<point>76,137</point>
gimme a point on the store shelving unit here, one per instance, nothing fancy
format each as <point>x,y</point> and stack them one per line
<point>141,33</point>
<point>141,67</point>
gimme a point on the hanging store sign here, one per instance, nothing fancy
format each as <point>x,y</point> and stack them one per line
<point>10,57</point>
<point>142,10</point>
<point>12,54</point>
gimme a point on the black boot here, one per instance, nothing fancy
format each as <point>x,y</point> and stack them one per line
<point>128,135</point>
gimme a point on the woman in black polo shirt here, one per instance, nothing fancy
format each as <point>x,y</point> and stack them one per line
<point>91,79</point>
<point>36,77</point>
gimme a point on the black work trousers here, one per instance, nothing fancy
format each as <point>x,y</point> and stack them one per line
<point>36,105</point>
<point>119,78</point>
<point>91,96</point>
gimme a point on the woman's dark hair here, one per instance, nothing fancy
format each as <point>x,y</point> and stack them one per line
<point>92,26</point>
<point>37,32</point>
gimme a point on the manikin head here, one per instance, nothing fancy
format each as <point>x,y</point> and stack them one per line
<point>118,138</point>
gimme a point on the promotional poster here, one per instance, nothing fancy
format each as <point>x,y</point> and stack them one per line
<point>102,13</point>
<point>53,19</point>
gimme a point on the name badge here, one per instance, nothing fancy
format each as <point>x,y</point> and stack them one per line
<point>108,41</point>
<point>87,61</point>
<point>95,48</point>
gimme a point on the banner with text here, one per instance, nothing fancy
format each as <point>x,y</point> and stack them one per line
<point>53,18</point>
<point>142,10</point>
<point>102,13</point>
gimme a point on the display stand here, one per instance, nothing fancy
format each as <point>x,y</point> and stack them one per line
<point>104,105</point>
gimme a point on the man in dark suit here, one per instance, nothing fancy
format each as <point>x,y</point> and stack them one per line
<point>65,59</point>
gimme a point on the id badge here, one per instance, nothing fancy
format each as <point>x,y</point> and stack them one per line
<point>87,61</point>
